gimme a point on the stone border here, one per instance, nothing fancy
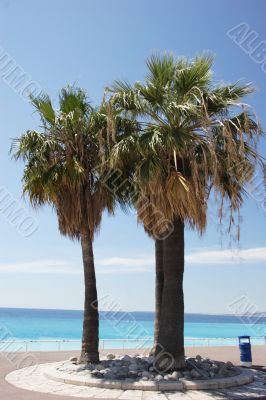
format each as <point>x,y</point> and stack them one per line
<point>246,376</point>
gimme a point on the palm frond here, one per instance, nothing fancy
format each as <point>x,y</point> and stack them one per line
<point>194,138</point>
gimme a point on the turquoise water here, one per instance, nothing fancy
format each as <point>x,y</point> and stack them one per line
<point>120,329</point>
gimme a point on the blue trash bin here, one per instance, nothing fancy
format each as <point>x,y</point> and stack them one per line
<point>245,351</point>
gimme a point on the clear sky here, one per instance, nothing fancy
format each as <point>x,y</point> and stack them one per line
<point>91,43</point>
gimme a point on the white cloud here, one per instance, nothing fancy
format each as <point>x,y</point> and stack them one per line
<point>227,257</point>
<point>115,265</point>
<point>125,265</point>
<point>41,267</point>
<point>124,270</point>
<point>131,262</point>
<point>206,257</point>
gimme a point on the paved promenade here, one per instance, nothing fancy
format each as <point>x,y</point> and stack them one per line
<point>10,362</point>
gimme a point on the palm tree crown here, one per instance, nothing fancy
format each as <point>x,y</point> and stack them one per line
<point>64,161</point>
<point>196,136</point>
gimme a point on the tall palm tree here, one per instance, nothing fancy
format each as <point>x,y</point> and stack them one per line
<point>196,138</point>
<point>64,167</point>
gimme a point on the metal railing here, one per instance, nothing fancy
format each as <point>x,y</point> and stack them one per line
<point>104,344</point>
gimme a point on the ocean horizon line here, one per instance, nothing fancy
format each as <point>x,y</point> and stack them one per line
<point>138,312</point>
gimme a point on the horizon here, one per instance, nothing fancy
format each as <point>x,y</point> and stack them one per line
<point>261,314</point>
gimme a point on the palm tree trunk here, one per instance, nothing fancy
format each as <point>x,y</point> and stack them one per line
<point>159,282</point>
<point>90,337</point>
<point>170,347</point>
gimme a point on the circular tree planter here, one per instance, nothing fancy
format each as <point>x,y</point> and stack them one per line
<point>244,376</point>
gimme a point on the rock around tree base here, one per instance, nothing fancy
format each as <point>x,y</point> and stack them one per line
<point>139,373</point>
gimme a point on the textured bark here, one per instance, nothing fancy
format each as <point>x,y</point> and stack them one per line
<point>170,347</point>
<point>90,337</point>
<point>159,281</point>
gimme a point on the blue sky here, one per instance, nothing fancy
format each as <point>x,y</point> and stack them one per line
<point>91,43</point>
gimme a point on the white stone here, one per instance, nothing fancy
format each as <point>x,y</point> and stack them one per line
<point>176,375</point>
<point>158,377</point>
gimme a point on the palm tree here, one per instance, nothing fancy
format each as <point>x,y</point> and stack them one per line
<point>64,167</point>
<point>197,138</point>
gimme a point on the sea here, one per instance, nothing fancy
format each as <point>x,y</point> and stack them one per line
<point>36,329</point>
